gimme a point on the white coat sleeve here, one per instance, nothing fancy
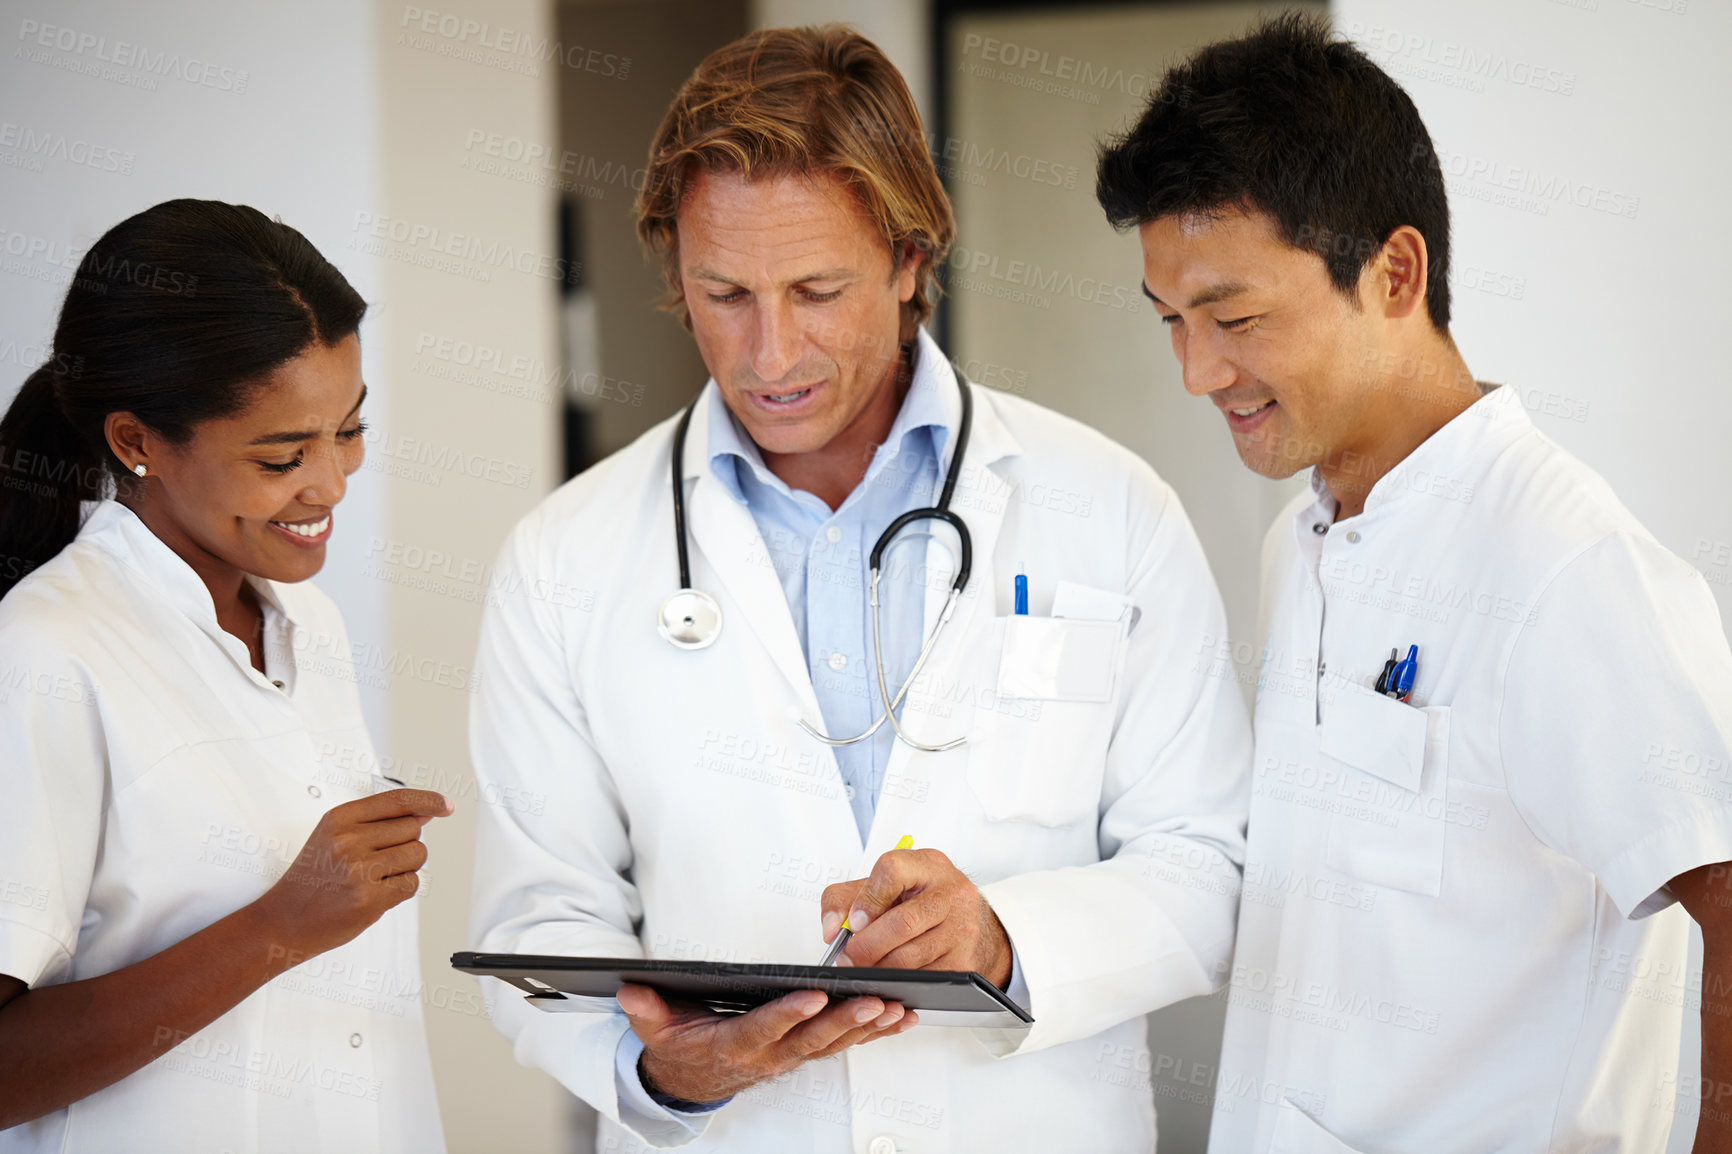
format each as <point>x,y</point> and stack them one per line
<point>1153,921</point>
<point>53,776</point>
<point>552,867</point>
<point>1616,725</point>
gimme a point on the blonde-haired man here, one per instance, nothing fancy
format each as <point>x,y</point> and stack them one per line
<point>1072,778</point>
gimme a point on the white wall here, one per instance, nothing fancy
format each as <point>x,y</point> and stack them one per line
<point>1585,151</point>
<point>469,444</point>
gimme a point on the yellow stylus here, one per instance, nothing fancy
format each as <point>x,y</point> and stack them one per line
<point>843,934</point>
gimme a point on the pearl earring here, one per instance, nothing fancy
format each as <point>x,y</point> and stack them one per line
<point>139,469</point>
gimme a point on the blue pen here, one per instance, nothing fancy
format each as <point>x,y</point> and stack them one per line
<point>1405,672</point>
<point>1021,595</point>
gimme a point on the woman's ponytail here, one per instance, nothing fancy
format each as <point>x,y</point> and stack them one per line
<point>46,469</point>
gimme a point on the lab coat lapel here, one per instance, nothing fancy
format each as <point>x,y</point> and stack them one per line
<point>727,542</point>
<point>981,499</point>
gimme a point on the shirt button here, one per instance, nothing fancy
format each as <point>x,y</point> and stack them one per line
<point>355,1041</point>
<point>312,791</point>
<point>1319,528</point>
<point>832,534</point>
<point>883,1144</point>
<point>276,683</point>
<point>838,661</point>
<point>1353,536</point>
<point>848,792</point>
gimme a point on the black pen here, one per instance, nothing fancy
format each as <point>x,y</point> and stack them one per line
<point>1388,668</point>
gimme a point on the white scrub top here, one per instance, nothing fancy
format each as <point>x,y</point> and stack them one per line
<point>1454,931</point>
<point>154,782</point>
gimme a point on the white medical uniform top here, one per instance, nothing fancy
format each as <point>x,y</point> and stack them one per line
<point>154,782</point>
<point>1454,931</point>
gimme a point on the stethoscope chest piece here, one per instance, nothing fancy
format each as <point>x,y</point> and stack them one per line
<point>690,619</point>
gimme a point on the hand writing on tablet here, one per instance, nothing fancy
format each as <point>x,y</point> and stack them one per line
<point>917,911</point>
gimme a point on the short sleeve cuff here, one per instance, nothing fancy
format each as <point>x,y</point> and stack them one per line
<point>1636,879</point>
<point>27,953</point>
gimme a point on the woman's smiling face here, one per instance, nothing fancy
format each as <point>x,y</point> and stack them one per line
<point>255,490</point>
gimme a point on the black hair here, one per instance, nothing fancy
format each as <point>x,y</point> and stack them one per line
<point>176,315</point>
<point>1292,122</point>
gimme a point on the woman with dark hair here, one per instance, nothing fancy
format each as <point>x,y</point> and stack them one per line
<point>205,942</point>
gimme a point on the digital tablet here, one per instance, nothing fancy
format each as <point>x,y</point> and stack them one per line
<point>567,985</point>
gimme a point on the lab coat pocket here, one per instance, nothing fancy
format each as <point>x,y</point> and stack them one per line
<point>1038,750</point>
<point>1387,827</point>
<point>1296,1132</point>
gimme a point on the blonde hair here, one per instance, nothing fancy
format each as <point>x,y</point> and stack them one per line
<point>817,100</point>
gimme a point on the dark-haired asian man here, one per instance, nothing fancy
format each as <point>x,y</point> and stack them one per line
<point>1455,930</point>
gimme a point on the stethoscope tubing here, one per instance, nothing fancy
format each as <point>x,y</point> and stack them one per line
<point>939,512</point>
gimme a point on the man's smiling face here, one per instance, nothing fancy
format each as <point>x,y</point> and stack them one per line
<point>1260,329</point>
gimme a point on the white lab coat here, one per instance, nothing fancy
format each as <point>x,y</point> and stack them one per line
<point>667,804</point>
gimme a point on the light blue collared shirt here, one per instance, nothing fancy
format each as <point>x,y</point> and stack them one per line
<point>823,559</point>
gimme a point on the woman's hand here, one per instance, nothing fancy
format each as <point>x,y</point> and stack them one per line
<point>359,861</point>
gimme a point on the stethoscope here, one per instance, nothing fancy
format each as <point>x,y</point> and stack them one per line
<point>692,619</point>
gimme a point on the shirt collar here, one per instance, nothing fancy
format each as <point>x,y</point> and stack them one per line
<point>147,559</point>
<point>929,409</point>
<point>1458,453</point>
<point>1325,500</point>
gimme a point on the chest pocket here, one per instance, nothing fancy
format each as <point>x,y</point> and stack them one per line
<point>1389,826</point>
<point>1037,752</point>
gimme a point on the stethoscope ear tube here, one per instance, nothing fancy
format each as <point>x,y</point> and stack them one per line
<point>679,467</point>
<point>690,618</point>
<point>941,511</point>
<point>965,555</point>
